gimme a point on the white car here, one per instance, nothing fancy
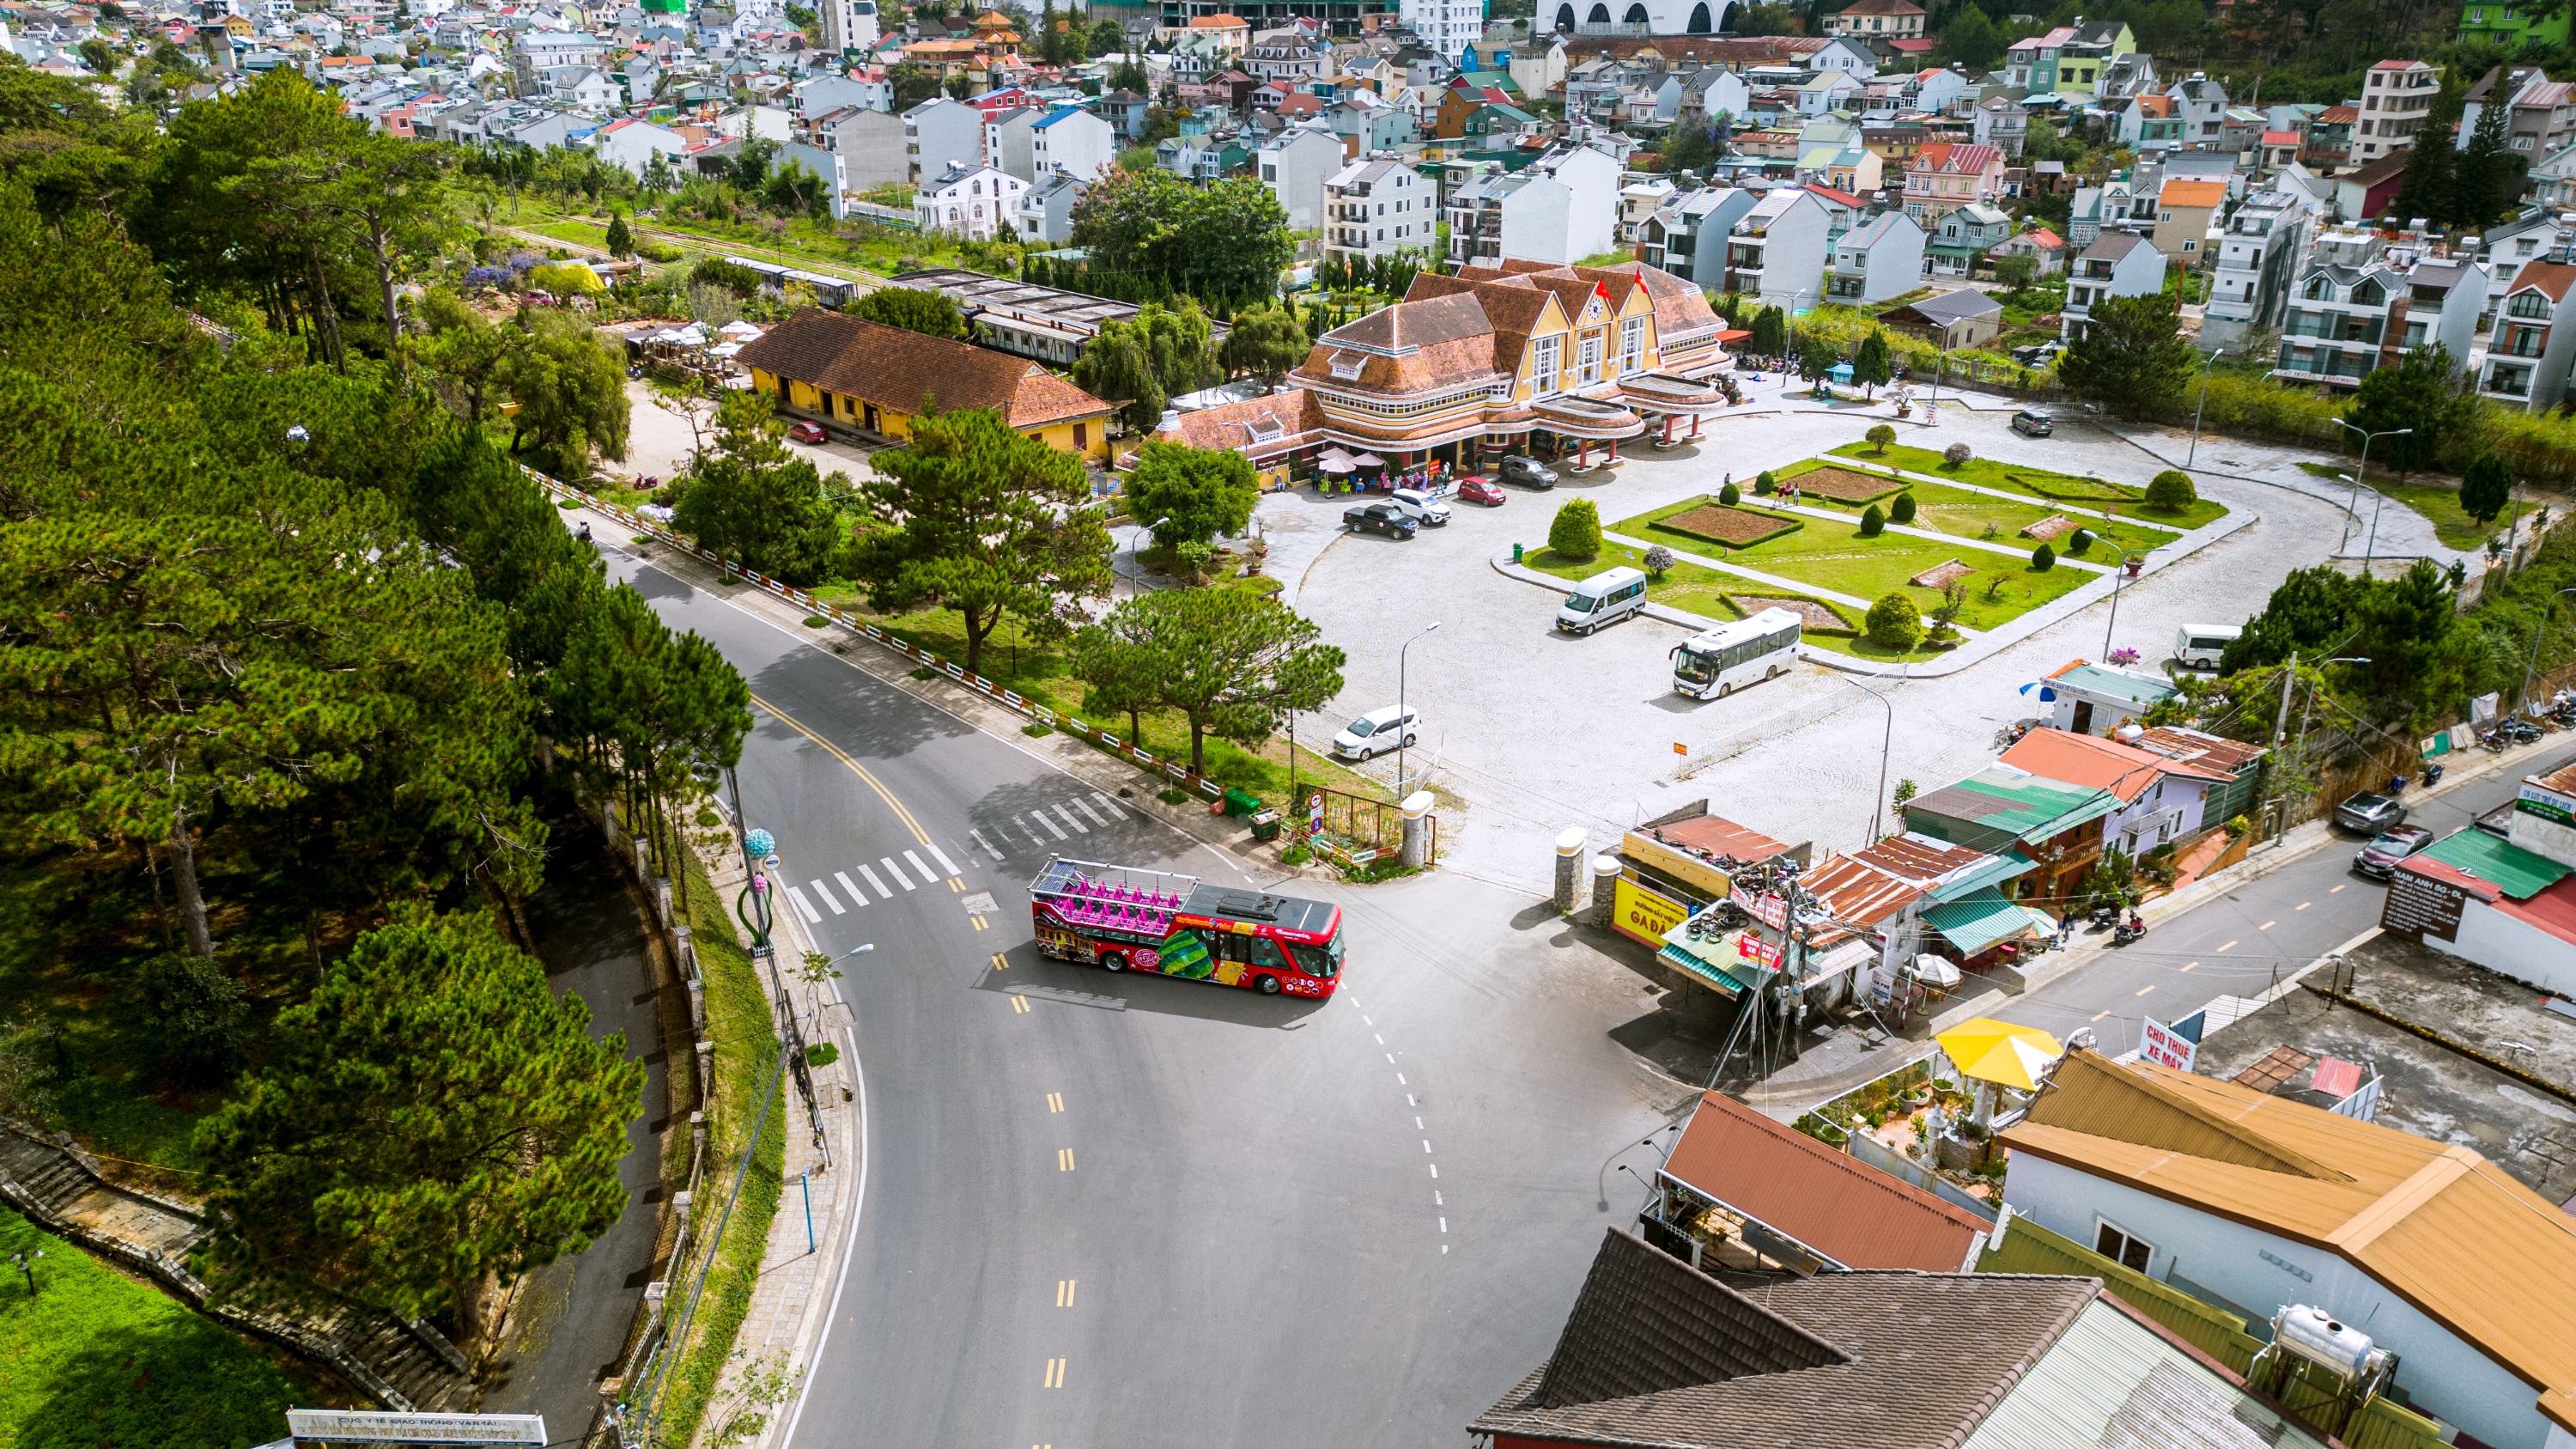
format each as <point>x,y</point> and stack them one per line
<point>1421,507</point>
<point>1377,732</point>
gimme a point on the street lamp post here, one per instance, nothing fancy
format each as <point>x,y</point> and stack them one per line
<point>1886,742</point>
<point>1601,1179</point>
<point>2200,407</point>
<point>1404,727</point>
<point>2352,511</point>
<point>2119,580</point>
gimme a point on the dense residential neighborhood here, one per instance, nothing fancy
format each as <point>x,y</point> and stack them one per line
<point>772,726</point>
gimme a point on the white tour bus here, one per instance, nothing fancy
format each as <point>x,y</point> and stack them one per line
<point>1740,653</point>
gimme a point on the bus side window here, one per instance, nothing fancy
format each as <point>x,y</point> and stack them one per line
<point>1266,952</point>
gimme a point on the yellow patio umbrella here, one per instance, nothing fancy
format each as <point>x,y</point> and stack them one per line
<point>2000,1052</point>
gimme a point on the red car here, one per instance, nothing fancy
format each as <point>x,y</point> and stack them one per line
<point>808,433</point>
<point>1482,490</point>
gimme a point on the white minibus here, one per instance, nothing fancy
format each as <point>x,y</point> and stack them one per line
<point>1745,652</point>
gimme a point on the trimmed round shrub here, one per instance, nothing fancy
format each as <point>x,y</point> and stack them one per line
<point>1902,510</point>
<point>1765,482</point>
<point>1956,454</point>
<point>1894,622</point>
<point>1730,495</point>
<point>2076,546</point>
<point>2042,559</point>
<point>1872,522</point>
<point>2171,491</point>
<point>1881,438</point>
<point>1576,533</point>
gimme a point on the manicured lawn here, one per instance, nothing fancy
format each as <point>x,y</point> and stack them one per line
<point>1963,513</point>
<point>1835,557</point>
<point>1685,586</point>
<point>98,1360</point>
<point>2439,502</point>
<point>2095,493</point>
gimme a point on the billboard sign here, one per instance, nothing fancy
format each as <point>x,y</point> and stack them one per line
<point>2166,1047</point>
<point>1644,915</point>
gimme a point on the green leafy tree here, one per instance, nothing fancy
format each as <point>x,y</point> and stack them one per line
<point>621,238</point>
<point>1120,669</point>
<point>2486,486</point>
<point>751,500</point>
<point>464,355</point>
<point>1880,438</point>
<point>1233,664</point>
<point>1266,343</point>
<point>2171,491</point>
<point>2042,559</point>
<point>200,1016</point>
<point>1873,522</point>
<point>1971,40</point>
<point>1817,358</point>
<point>1198,493</point>
<point>1144,362</point>
<point>1576,530</point>
<point>571,392</point>
<point>1902,510</point>
<point>914,309</point>
<point>1871,368</point>
<point>913,83</point>
<point>2132,357</point>
<point>974,517</point>
<point>1226,243</point>
<point>2016,272</point>
<point>734,277</point>
<point>433,1114</point>
<point>1894,622</point>
<point>2419,396</point>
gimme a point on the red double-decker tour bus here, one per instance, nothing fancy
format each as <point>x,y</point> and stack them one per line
<point>1123,918</point>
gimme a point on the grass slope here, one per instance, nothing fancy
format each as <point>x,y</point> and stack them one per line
<point>2039,483</point>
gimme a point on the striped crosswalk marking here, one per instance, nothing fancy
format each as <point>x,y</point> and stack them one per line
<point>896,871</point>
<point>828,898</point>
<point>1109,805</point>
<point>812,916</point>
<point>1042,820</point>
<point>945,863</point>
<point>1078,827</point>
<point>1085,807</point>
<point>982,843</point>
<point>921,865</point>
<point>882,893</point>
<point>858,897</point>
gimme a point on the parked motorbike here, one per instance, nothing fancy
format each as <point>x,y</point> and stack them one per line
<point>2127,931</point>
<point>2433,772</point>
<point>2105,916</point>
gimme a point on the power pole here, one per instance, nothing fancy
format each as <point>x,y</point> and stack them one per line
<point>2280,726</point>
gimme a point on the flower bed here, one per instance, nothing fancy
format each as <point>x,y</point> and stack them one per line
<point>1815,616</point>
<point>1845,486</point>
<point>1733,527</point>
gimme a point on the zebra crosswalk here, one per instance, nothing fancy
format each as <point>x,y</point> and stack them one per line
<point>1055,824</point>
<point>1046,829</point>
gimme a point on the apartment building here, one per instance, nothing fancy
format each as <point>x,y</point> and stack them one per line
<point>1777,251</point>
<point>938,134</point>
<point>970,201</point>
<point>1687,235</point>
<point>2117,264</point>
<point>2534,339</point>
<point>2396,96</point>
<point>2360,304</point>
<point>1376,208</point>
<point>2258,256</point>
<point>2541,113</point>
<point>1880,259</point>
<point>1295,166</point>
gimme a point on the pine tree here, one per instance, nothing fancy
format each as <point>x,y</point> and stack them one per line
<point>621,242</point>
<point>2428,189</point>
<point>1871,368</point>
<point>2483,166</point>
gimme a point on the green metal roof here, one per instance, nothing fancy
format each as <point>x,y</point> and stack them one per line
<point>2510,868</point>
<point>1980,920</point>
<point>2015,802</point>
<point>1994,870</point>
<point>1719,965</point>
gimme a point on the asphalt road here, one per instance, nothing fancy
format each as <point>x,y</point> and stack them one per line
<point>2239,943</point>
<point>1204,1216</point>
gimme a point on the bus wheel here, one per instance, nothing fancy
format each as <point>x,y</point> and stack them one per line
<point>1771,673</point>
<point>1112,961</point>
<point>1723,690</point>
<point>1266,985</point>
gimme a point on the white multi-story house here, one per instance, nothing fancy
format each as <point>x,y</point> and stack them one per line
<point>869,143</point>
<point>630,145</point>
<point>1290,56</point>
<point>1879,259</point>
<point>2361,304</point>
<point>2258,255</point>
<point>2534,339</point>
<point>1071,141</point>
<point>1448,27</point>
<point>2396,97</point>
<point>1687,234</point>
<point>971,201</point>
<point>1564,208</point>
<point>1378,207</point>
<point>1045,211</point>
<point>849,26</point>
<point>938,134</point>
<point>1295,166</point>
<point>2117,264</point>
<point>2200,108</point>
<point>1778,249</point>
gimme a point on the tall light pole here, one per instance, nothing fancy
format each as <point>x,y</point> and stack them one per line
<point>2119,580</point>
<point>2352,511</point>
<point>2200,407</point>
<point>1404,727</point>
<point>2538,626</point>
<point>1886,742</point>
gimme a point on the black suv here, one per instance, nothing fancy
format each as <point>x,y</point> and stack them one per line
<point>1528,472</point>
<point>1383,518</point>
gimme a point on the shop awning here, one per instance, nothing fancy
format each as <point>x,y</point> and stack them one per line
<point>1977,921</point>
<point>1713,959</point>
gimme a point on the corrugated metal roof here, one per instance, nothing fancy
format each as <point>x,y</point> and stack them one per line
<point>2095,679</point>
<point>1977,921</point>
<point>2030,807</point>
<point>2110,1380</point>
<point>2448,1231</point>
<point>1836,1205</point>
<point>2517,872</point>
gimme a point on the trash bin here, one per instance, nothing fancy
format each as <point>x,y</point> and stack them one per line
<point>1265,825</point>
<point>1238,802</point>
<point>1516,553</point>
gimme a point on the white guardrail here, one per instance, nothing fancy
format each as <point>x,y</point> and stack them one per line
<point>1108,740</point>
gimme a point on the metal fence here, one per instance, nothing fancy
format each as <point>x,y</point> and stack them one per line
<point>1352,829</point>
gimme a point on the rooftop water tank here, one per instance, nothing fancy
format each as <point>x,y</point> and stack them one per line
<point>2315,1335</point>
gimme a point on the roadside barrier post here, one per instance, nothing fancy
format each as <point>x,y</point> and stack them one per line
<point>1417,829</point>
<point>1569,871</point>
<point>1605,889</point>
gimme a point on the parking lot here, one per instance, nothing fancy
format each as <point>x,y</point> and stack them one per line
<point>1537,730</point>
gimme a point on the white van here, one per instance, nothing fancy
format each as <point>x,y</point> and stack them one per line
<point>1605,598</point>
<point>1421,507</point>
<point>1377,732</point>
<point>2197,646</point>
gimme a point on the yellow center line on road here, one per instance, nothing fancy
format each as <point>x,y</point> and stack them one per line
<point>2267,925</point>
<point>2303,905</point>
<point>2143,990</point>
<point>1001,962</point>
<point>2228,947</point>
<point>1055,1101</point>
<point>2189,964</point>
<point>2097,1016</point>
<point>1064,1159</point>
<point>1020,1004</point>
<point>978,920</point>
<point>919,836</point>
<point>1055,1373</point>
<point>1064,1292</point>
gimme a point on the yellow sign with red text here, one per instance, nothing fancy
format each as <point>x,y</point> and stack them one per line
<point>1642,914</point>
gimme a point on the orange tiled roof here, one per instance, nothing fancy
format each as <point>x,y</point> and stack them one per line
<point>903,371</point>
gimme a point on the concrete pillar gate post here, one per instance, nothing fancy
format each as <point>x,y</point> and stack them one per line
<point>1605,894</point>
<point>1569,871</point>
<point>1417,829</point>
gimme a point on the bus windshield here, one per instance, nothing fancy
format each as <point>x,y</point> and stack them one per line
<point>1581,603</point>
<point>1697,668</point>
<point>1323,960</point>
